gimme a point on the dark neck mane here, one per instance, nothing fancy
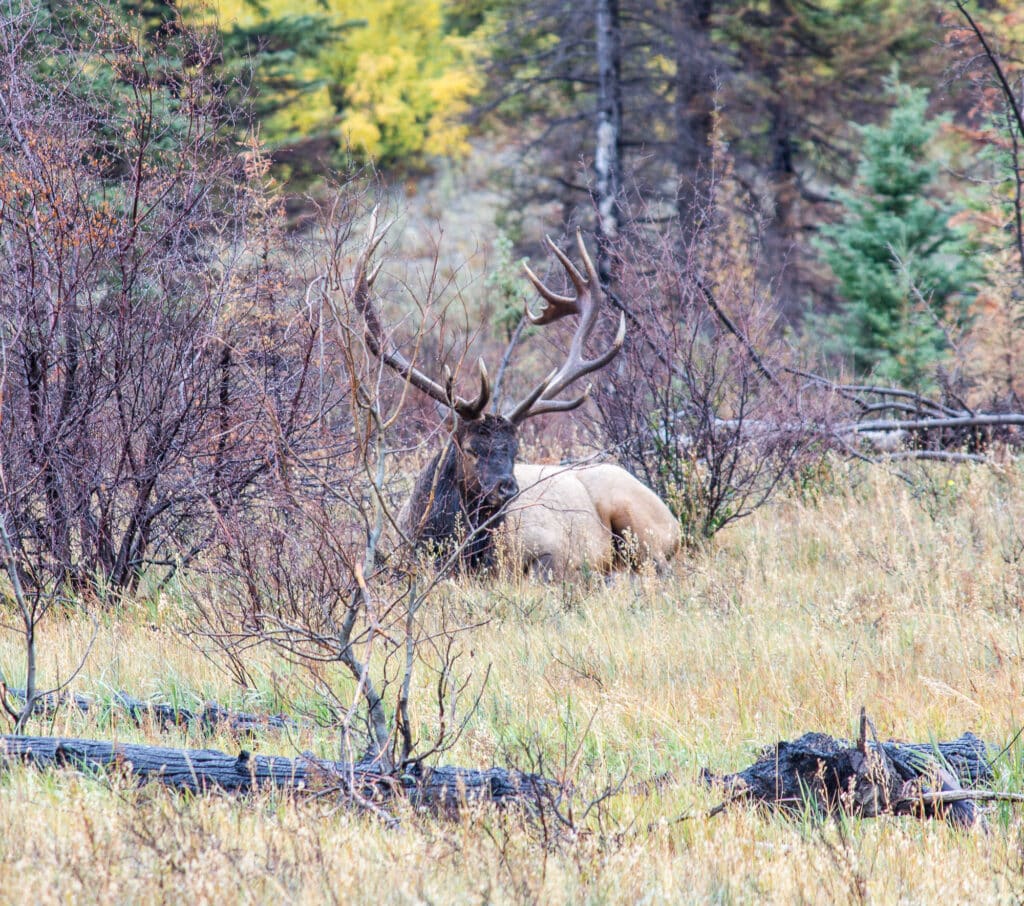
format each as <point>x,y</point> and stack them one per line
<point>442,513</point>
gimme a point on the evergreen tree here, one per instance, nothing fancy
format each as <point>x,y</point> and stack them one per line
<point>903,270</point>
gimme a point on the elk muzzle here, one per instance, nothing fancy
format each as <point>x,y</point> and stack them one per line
<point>507,489</point>
<point>500,492</point>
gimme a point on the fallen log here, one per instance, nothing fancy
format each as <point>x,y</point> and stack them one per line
<point>211,718</point>
<point>830,776</point>
<point>207,770</point>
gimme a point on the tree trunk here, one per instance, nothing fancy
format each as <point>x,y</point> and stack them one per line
<point>608,147</point>
<point>780,261</point>
<point>694,92</point>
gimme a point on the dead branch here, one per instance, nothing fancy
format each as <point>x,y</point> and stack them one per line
<point>964,420</point>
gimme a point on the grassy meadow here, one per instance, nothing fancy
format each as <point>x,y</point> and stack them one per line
<point>857,590</point>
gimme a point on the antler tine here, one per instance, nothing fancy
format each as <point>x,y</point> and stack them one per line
<point>519,413</point>
<point>578,280</point>
<point>545,406</point>
<point>373,239</point>
<point>375,340</point>
<point>558,306</point>
<point>468,410</point>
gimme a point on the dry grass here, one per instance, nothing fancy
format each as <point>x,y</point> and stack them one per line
<point>796,617</point>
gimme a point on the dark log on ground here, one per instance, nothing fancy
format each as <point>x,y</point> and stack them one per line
<point>211,718</point>
<point>830,776</point>
<point>206,770</point>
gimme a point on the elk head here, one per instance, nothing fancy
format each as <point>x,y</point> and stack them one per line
<point>478,465</point>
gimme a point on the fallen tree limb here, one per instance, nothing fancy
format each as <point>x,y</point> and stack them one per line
<point>934,456</point>
<point>830,776</point>
<point>207,770</point>
<point>210,718</point>
<point>965,420</point>
<point>751,427</point>
<point>855,393</point>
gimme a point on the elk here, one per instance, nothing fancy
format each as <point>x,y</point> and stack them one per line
<point>459,499</point>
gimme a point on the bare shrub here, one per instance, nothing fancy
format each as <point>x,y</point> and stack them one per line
<point>157,360</point>
<point>161,364</point>
<point>700,407</point>
<point>301,574</point>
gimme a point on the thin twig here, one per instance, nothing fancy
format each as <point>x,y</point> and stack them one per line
<point>505,359</point>
<point>1011,100</point>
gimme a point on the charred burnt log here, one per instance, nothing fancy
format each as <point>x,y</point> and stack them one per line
<point>207,770</point>
<point>829,776</point>
<point>211,718</point>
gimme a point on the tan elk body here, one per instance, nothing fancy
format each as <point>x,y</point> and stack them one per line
<point>642,525</point>
<point>599,517</point>
<point>552,527</point>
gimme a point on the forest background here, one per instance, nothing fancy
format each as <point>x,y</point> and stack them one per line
<point>855,149</point>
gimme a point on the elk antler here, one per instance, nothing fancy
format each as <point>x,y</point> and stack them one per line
<point>557,306</point>
<point>363,280</point>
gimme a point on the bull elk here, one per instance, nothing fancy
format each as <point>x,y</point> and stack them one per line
<point>460,499</point>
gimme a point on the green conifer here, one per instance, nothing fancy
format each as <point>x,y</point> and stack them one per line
<point>904,271</point>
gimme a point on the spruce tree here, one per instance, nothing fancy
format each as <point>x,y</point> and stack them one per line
<point>904,272</point>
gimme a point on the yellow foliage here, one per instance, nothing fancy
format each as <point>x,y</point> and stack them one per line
<point>413,82</point>
<point>299,120</point>
<point>396,85</point>
<point>228,13</point>
<point>363,133</point>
